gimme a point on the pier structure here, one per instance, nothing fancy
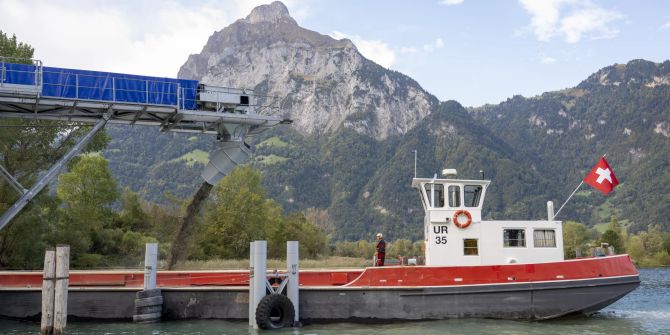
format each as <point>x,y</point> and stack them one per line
<point>274,299</point>
<point>149,301</point>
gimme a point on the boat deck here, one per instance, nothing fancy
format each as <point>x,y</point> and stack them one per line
<point>389,276</point>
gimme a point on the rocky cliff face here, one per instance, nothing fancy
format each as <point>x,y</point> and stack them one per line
<point>635,73</point>
<point>325,83</point>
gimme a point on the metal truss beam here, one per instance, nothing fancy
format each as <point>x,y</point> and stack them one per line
<point>12,181</point>
<point>52,173</point>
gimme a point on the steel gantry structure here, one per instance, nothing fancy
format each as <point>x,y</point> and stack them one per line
<point>29,91</point>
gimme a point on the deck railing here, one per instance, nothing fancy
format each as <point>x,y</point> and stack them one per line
<point>30,77</point>
<point>30,74</point>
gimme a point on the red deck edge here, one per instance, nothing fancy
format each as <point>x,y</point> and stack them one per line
<point>33,279</point>
<point>392,276</point>
<point>577,269</point>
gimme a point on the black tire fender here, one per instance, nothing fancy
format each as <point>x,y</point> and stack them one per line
<point>152,317</point>
<point>148,293</point>
<point>275,311</point>
<point>151,301</point>
<point>149,309</point>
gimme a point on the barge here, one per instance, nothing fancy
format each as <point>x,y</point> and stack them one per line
<point>473,268</point>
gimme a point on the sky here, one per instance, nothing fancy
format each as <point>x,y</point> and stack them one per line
<point>472,51</point>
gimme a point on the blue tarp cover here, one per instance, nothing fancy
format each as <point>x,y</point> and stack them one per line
<point>105,86</point>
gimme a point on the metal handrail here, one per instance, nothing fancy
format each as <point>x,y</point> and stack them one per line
<point>171,89</point>
<point>2,72</point>
<point>37,73</point>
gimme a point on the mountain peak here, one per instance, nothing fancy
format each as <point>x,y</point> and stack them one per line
<point>637,72</point>
<point>273,13</point>
<point>325,84</point>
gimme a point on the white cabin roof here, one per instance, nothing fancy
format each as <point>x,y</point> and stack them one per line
<point>416,182</point>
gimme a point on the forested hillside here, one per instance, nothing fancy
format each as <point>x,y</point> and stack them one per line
<point>349,156</point>
<point>622,111</point>
<point>535,149</point>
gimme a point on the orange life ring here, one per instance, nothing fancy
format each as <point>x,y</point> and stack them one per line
<point>458,223</point>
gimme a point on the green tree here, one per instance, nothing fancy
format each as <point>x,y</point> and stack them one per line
<point>346,249</point>
<point>575,237</point>
<point>662,258</point>
<point>237,215</point>
<point>652,239</point>
<point>614,225</point>
<point>132,215</point>
<point>400,247</point>
<point>365,249</point>
<point>89,189</point>
<point>11,47</point>
<point>23,241</point>
<point>635,247</point>
<point>88,192</point>
<point>613,239</point>
<point>163,222</point>
<point>240,213</point>
<point>418,248</point>
<point>296,227</point>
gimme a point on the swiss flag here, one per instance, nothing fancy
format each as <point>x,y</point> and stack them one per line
<point>602,177</point>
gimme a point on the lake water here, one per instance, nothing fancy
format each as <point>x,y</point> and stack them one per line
<point>644,311</point>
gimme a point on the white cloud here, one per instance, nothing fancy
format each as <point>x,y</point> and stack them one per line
<point>152,37</point>
<point>377,51</point>
<point>547,60</point>
<point>438,44</point>
<point>590,20</point>
<point>666,25</point>
<point>570,20</point>
<point>451,2</point>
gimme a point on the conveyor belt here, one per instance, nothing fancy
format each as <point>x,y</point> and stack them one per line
<point>31,91</point>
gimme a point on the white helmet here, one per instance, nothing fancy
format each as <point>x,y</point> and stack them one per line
<point>380,235</point>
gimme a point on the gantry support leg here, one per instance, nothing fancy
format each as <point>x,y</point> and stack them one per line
<point>12,181</point>
<point>53,172</point>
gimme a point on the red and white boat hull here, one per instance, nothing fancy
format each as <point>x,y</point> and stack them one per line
<point>517,291</point>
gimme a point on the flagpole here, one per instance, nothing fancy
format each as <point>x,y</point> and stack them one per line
<point>570,197</point>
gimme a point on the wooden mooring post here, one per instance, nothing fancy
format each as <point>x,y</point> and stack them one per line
<point>55,282</point>
<point>61,287</point>
<point>48,282</point>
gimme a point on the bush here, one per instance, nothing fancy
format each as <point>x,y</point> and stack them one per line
<point>662,258</point>
<point>89,261</point>
<point>614,239</point>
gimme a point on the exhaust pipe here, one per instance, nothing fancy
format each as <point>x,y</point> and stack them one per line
<point>224,159</point>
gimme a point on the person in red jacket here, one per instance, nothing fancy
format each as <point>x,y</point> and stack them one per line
<point>380,250</point>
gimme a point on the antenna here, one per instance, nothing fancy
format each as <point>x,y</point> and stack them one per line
<point>415,152</point>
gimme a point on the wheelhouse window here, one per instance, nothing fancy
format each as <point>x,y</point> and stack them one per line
<point>514,238</point>
<point>454,196</point>
<point>470,247</point>
<point>544,238</point>
<point>435,193</point>
<point>472,194</point>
